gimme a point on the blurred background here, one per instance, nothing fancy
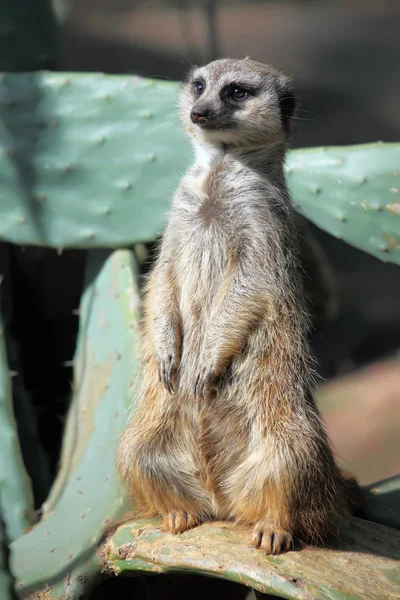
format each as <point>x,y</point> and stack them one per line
<point>344,57</point>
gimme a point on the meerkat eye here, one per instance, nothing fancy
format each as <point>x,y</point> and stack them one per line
<point>198,87</point>
<point>237,92</point>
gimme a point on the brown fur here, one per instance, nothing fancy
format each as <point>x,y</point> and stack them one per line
<point>227,427</point>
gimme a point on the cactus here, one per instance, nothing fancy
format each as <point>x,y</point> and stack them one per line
<point>90,160</point>
<point>352,192</point>
<point>16,499</point>
<point>67,549</point>
<point>86,497</point>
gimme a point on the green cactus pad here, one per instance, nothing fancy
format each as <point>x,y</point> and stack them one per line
<point>89,160</point>
<point>67,549</point>
<point>87,497</point>
<point>352,192</point>
<point>16,498</point>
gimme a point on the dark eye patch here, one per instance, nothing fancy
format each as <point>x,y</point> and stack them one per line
<point>237,92</point>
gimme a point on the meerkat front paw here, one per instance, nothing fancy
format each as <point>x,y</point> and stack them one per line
<point>202,387</point>
<point>167,366</point>
<point>270,539</point>
<point>179,521</point>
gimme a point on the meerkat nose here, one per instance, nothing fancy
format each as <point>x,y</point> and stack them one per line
<point>199,115</point>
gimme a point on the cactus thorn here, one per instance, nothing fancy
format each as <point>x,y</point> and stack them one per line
<point>343,219</point>
<point>127,186</point>
<point>65,82</point>
<point>107,211</point>
<point>151,157</point>
<point>363,179</point>
<point>148,115</point>
<point>21,220</point>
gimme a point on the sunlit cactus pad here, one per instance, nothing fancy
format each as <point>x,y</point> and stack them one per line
<point>89,160</point>
<point>351,192</point>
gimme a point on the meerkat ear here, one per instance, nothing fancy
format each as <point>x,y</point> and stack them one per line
<point>287,103</point>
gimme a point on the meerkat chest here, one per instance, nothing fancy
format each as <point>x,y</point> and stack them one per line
<point>213,192</point>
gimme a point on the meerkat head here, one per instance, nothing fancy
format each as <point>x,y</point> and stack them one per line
<point>237,103</point>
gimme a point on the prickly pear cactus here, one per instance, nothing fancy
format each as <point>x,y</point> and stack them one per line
<point>90,160</point>
<point>87,497</point>
<point>16,500</point>
<point>353,192</point>
<point>87,160</point>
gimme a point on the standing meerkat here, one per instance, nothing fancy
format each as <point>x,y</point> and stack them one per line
<point>227,427</point>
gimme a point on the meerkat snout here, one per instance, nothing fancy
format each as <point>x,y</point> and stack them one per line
<point>237,102</point>
<point>200,115</point>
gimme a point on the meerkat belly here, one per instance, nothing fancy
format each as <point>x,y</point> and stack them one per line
<point>202,269</point>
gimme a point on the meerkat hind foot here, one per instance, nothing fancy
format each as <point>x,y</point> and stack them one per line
<point>270,539</point>
<point>179,521</point>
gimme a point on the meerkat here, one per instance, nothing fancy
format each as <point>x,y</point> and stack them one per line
<point>226,426</point>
